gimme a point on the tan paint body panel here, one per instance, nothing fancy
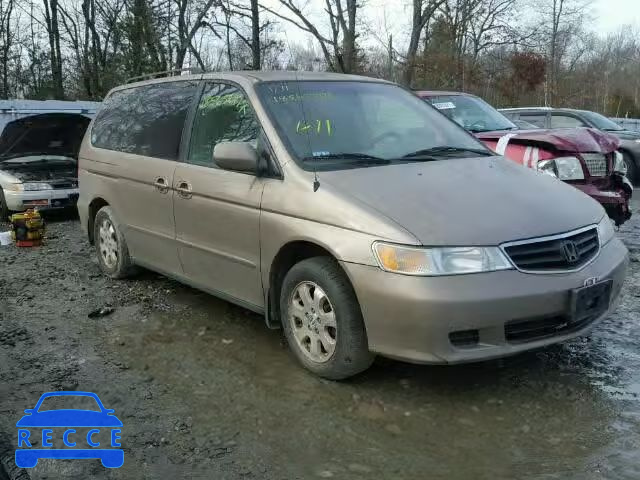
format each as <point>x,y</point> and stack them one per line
<point>126,182</point>
<point>218,230</point>
<point>228,231</point>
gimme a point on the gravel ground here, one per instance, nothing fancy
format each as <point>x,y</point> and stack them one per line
<point>206,391</point>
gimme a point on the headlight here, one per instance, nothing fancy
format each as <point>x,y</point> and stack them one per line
<point>619,165</point>
<point>439,261</point>
<point>15,187</point>
<point>637,140</point>
<point>605,230</point>
<point>32,186</point>
<point>564,168</point>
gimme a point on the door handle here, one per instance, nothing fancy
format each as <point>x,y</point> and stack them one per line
<point>184,189</point>
<point>161,184</point>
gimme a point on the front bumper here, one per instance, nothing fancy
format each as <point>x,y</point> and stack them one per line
<point>614,198</point>
<point>41,199</point>
<point>411,318</point>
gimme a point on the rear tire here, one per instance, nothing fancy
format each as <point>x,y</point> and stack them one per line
<point>111,246</point>
<point>322,320</point>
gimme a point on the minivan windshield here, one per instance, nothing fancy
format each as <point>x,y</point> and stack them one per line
<point>472,113</point>
<point>347,124</point>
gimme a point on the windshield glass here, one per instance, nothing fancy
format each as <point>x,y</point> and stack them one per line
<point>340,124</point>
<point>602,122</point>
<point>472,113</point>
<point>69,402</point>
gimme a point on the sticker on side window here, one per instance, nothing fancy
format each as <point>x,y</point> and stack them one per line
<point>444,105</point>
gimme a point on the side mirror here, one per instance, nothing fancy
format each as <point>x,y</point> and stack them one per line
<point>236,156</point>
<point>109,411</point>
<point>29,411</point>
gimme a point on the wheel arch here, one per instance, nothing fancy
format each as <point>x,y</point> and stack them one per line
<point>94,206</point>
<point>289,254</point>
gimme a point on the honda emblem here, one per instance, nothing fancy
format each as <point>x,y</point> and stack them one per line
<point>570,251</point>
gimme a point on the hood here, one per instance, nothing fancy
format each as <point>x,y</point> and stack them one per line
<point>44,134</point>
<point>69,418</point>
<point>566,139</point>
<point>469,201</point>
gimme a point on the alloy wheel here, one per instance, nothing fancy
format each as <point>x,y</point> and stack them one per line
<point>108,244</point>
<point>313,321</point>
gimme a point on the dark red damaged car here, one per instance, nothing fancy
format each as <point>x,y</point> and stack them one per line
<point>583,157</point>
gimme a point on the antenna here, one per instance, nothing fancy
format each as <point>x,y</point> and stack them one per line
<point>316,181</point>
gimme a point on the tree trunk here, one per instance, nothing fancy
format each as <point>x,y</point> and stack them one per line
<point>256,59</point>
<point>53,30</point>
<point>414,40</point>
<point>6,47</point>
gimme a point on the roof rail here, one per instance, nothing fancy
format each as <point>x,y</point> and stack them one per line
<point>167,73</point>
<point>513,109</point>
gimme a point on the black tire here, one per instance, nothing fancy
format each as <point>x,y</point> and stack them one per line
<point>123,266</point>
<point>4,210</point>
<point>351,354</point>
<point>632,169</point>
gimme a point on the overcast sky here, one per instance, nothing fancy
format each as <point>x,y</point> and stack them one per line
<point>610,15</point>
<point>607,16</point>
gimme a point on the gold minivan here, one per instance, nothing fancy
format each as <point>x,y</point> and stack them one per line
<point>348,212</point>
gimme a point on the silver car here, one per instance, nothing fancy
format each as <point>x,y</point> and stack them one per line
<point>346,211</point>
<point>38,161</point>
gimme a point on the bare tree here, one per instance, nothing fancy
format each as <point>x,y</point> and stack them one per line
<point>340,48</point>
<point>566,17</point>
<point>250,36</point>
<point>190,19</point>
<point>6,42</point>
<point>492,24</point>
<point>51,12</point>
<point>422,13</point>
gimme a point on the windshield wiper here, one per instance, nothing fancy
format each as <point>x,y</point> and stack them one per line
<point>443,151</point>
<point>362,158</point>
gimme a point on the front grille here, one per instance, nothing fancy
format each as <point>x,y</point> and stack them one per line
<point>63,186</point>
<point>596,164</point>
<point>559,253</point>
<point>522,331</point>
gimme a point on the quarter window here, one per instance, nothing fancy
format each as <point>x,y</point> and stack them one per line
<point>224,115</point>
<point>145,120</point>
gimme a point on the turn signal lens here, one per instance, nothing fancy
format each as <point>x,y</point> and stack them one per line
<point>406,260</point>
<point>606,231</point>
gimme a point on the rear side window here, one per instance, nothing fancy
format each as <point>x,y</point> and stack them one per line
<point>565,121</point>
<point>537,119</point>
<point>145,120</point>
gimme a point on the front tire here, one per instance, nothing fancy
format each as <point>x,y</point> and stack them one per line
<point>322,321</point>
<point>111,246</point>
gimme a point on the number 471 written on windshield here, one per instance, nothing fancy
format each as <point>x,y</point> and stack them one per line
<point>317,127</point>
